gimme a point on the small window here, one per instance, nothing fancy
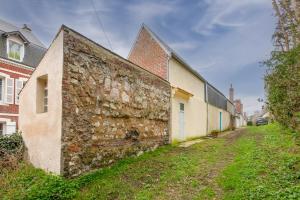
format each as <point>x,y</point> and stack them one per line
<point>46,99</point>
<point>15,50</point>
<point>181,107</point>
<point>42,94</point>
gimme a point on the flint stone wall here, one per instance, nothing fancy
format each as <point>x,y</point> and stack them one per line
<point>111,107</point>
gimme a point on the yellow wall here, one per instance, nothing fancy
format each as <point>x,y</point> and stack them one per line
<point>214,118</point>
<point>195,106</point>
<point>42,131</point>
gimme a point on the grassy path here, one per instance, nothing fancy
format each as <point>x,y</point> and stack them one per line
<point>253,163</point>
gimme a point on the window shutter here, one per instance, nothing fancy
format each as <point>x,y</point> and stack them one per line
<point>10,128</point>
<point>18,88</point>
<point>9,90</point>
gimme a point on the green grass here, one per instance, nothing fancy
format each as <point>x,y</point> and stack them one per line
<point>261,163</point>
<point>267,166</point>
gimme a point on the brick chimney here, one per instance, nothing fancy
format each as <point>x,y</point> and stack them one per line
<point>231,93</point>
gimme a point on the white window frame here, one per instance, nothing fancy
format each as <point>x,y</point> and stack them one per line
<point>22,51</point>
<point>16,88</point>
<point>3,129</point>
<point>12,89</point>
<point>3,101</point>
<point>9,126</point>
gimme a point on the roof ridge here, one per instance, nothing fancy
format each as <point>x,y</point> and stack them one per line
<point>7,27</point>
<point>9,23</point>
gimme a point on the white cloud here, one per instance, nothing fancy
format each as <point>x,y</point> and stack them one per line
<point>219,56</point>
<point>144,11</point>
<point>223,13</point>
<point>186,45</point>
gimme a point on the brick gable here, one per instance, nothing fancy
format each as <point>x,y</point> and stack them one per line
<point>147,53</point>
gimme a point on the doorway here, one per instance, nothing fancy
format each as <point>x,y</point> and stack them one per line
<point>181,121</point>
<point>220,121</point>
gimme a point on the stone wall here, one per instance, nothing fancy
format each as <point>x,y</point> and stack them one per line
<point>111,107</point>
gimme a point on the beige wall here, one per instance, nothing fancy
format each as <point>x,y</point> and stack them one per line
<point>42,131</point>
<point>195,107</point>
<point>214,118</point>
<point>240,121</point>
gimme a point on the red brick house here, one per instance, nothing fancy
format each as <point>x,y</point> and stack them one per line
<point>20,52</point>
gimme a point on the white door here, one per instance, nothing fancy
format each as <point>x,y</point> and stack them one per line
<point>181,121</point>
<point>10,128</point>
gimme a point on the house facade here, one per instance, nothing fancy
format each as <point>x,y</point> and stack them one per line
<point>85,107</point>
<point>20,52</point>
<point>188,107</point>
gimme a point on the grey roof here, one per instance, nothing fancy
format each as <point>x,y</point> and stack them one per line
<point>6,27</point>
<point>34,48</point>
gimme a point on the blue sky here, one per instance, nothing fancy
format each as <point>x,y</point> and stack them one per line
<point>224,40</point>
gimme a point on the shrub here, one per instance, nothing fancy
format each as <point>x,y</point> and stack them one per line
<point>249,123</point>
<point>11,143</point>
<point>11,151</point>
<point>215,133</point>
<point>283,87</point>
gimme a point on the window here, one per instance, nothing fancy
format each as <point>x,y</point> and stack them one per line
<point>1,129</point>
<point>6,89</point>
<point>19,85</point>
<point>42,94</point>
<point>15,50</point>
<point>46,99</point>
<point>1,89</point>
<point>181,107</point>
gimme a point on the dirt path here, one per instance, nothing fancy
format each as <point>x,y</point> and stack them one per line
<point>174,173</point>
<point>224,159</point>
<point>206,174</point>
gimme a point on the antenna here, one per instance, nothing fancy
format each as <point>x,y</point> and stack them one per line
<point>101,24</point>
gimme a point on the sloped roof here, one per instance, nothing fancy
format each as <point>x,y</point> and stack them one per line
<point>172,52</point>
<point>6,27</point>
<point>17,33</point>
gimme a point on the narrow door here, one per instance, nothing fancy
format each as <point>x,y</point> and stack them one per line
<point>181,121</point>
<point>220,121</point>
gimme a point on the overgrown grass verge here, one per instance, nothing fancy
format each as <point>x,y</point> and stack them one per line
<point>257,163</point>
<point>267,166</point>
<point>168,170</point>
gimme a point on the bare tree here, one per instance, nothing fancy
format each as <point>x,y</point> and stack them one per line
<point>287,35</point>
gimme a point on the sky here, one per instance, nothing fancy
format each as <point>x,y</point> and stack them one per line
<point>224,40</point>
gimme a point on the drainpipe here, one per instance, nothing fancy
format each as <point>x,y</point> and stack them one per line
<point>170,118</point>
<point>206,99</point>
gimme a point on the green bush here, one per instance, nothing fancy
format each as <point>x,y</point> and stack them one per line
<point>283,87</point>
<point>249,123</point>
<point>11,143</point>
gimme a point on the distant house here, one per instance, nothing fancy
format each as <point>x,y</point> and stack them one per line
<point>197,107</point>
<point>20,52</point>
